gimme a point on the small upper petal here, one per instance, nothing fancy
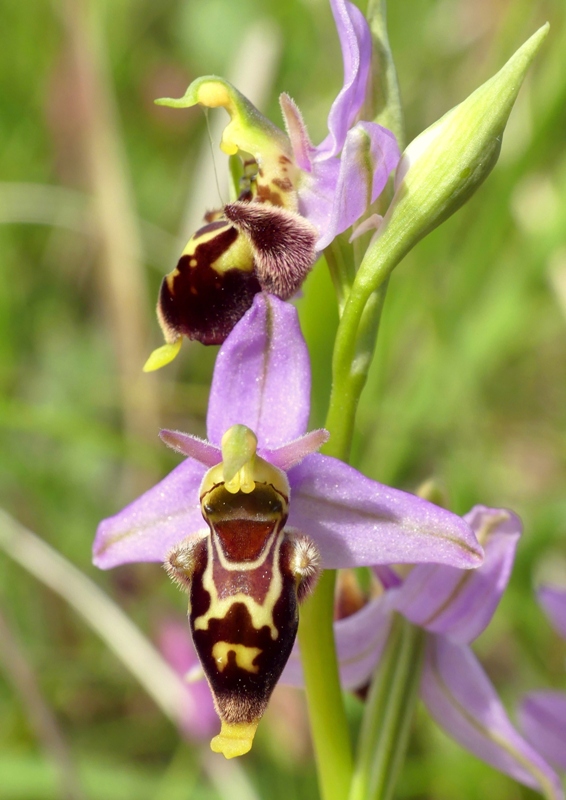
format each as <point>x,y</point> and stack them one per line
<point>356,521</point>
<point>463,701</point>
<point>293,453</point>
<point>553,600</point>
<point>335,192</point>
<point>297,131</point>
<point>460,603</point>
<point>542,717</point>
<point>147,528</point>
<point>262,376</point>
<point>192,447</point>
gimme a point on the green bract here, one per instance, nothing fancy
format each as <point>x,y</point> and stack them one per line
<point>445,164</point>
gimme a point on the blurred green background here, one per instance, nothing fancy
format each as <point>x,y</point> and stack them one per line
<point>99,189</point>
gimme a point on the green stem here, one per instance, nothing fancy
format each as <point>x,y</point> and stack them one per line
<point>389,712</point>
<point>355,342</point>
<point>355,338</point>
<point>316,635</point>
<point>353,352</point>
<point>329,724</point>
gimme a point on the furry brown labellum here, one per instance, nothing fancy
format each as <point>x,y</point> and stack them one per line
<point>212,286</point>
<point>252,247</point>
<point>244,578</point>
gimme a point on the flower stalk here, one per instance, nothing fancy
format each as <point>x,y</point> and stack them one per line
<point>342,273</point>
<point>327,712</point>
<point>329,723</point>
<point>389,712</point>
<point>316,636</point>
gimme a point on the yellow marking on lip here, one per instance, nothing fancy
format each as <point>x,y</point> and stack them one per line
<point>234,739</point>
<point>244,655</point>
<point>261,614</point>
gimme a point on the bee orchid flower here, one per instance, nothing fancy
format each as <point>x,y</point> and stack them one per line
<point>275,513</point>
<point>293,199</point>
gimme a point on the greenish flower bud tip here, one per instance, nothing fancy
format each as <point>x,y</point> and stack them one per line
<point>442,168</point>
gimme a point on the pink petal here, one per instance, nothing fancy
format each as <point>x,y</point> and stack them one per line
<point>461,698</point>
<point>553,600</point>
<point>192,447</point>
<point>147,528</point>
<point>356,521</point>
<point>360,640</point>
<point>370,153</point>
<point>317,198</point>
<point>460,603</point>
<point>298,134</point>
<point>542,717</point>
<point>262,376</point>
<point>355,41</point>
<point>293,453</point>
<point>338,192</point>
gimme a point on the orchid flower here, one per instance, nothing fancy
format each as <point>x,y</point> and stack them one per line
<point>257,472</point>
<point>294,198</point>
<point>453,607</point>
<point>543,714</point>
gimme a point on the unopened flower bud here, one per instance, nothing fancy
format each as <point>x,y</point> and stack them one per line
<point>441,169</point>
